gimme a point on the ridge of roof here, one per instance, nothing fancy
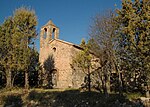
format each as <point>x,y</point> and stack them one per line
<point>69,43</point>
<point>49,23</point>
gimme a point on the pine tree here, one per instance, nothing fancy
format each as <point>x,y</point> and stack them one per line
<point>6,53</point>
<point>134,40</point>
<point>17,33</point>
<point>25,21</point>
<point>83,43</point>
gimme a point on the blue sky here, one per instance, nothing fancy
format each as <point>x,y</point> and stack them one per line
<point>73,17</point>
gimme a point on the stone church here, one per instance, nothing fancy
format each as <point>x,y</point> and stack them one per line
<point>56,58</point>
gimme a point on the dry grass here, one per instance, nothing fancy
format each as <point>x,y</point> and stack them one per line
<point>18,97</point>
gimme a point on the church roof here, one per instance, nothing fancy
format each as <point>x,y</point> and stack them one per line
<point>68,43</point>
<point>71,44</point>
<point>49,23</point>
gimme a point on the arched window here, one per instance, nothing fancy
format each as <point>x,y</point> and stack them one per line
<point>53,33</point>
<point>54,49</point>
<point>45,33</point>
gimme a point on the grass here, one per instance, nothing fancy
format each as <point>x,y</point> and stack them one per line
<point>61,98</point>
<point>132,96</point>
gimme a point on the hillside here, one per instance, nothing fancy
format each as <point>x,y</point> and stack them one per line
<point>62,98</point>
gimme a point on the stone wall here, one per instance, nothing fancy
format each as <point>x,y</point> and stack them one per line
<point>56,58</point>
<point>62,53</point>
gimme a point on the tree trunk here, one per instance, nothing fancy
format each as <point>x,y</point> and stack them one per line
<point>8,81</point>
<point>103,81</point>
<point>108,84</point>
<point>89,80</point>
<point>13,79</point>
<point>147,94</point>
<point>120,82</point>
<point>120,78</point>
<point>26,80</point>
<point>103,85</point>
<point>106,87</point>
<point>147,91</point>
<point>26,72</point>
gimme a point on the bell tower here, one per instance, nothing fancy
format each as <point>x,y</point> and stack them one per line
<point>48,32</point>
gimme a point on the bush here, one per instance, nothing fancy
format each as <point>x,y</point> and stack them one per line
<point>13,100</point>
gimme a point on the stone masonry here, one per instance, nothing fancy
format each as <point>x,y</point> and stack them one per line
<point>62,52</point>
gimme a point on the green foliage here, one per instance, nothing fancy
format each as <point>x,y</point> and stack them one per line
<point>134,40</point>
<point>16,34</point>
<point>83,59</point>
<point>82,62</point>
<point>132,96</point>
<point>24,24</point>
<point>83,43</point>
<point>13,100</point>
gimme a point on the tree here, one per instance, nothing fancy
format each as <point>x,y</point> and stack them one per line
<point>34,68</point>
<point>16,34</point>
<point>83,43</point>
<point>25,22</point>
<point>134,42</point>
<point>82,61</point>
<point>102,33</point>
<point>6,52</point>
